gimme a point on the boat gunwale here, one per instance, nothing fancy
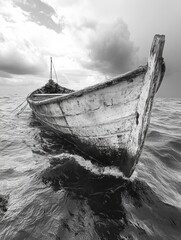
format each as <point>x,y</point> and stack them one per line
<point>126,76</point>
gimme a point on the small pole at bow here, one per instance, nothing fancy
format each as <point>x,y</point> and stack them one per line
<point>50,67</point>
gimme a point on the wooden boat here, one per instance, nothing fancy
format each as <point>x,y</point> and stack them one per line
<point>107,121</point>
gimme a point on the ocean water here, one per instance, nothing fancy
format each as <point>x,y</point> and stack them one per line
<point>48,191</point>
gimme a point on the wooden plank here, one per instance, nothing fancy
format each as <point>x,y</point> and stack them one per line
<point>100,130</point>
<point>103,115</point>
<point>57,128</point>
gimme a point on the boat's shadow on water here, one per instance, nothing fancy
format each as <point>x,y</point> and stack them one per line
<point>105,195</point>
<point>101,201</point>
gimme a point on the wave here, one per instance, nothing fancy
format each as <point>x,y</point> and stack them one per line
<point>53,191</point>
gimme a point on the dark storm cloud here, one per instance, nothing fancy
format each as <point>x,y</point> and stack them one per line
<point>40,13</point>
<point>14,63</point>
<point>111,50</point>
<point>19,58</point>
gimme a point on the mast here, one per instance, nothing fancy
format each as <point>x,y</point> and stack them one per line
<point>50,68</point>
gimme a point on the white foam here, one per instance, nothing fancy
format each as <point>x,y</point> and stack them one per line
<point>98,170</point>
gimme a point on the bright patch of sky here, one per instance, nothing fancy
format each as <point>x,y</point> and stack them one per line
<point>89,41</point>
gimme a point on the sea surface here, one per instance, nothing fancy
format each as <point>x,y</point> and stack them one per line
<point>48,191</point>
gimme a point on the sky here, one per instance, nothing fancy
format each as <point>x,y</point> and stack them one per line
<point>90,41</point>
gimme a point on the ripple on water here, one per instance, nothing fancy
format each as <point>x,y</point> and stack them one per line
<point>51,191</point>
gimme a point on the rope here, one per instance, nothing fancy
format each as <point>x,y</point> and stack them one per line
<point>22,110</point>
<point>18,106</point>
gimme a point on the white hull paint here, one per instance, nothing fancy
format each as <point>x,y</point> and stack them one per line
<point>108,121</point>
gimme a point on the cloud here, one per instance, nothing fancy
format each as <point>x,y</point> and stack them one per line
<point>17,63</point>
<point>19,56</point>
<point>85,23</point>
<point>5,75</point>
<point>11,14</point>
<point>110,49</point>
<point>2,38</point>
<point>65,3</point>
<point>25,46</point>
<point>41,13</point>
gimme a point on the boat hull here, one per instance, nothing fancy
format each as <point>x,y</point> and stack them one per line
<point>107,121</point>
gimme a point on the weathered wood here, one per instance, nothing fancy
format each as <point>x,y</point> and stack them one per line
<point>109,120</point>
<point>152,79</point>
